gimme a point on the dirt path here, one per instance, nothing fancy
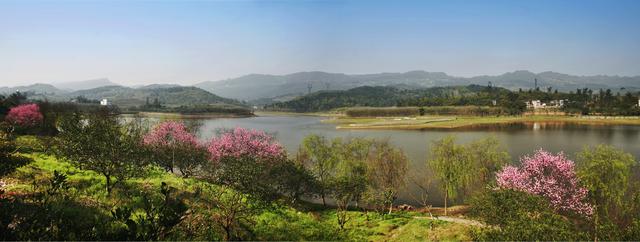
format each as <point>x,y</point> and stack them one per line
<point>455,220</point>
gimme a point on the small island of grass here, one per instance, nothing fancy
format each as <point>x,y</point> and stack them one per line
<point>461,122</point>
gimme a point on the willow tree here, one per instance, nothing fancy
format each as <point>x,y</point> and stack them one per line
<point>452,165</point>
<point>353,155</point>
<point>317,154</point>
<point>605,171</point>
<point>488,157</point>
<point>387,170</point>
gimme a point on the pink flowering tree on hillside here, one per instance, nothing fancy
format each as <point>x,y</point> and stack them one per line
<point>25,115</point>
<point>550,176</point>
<point>241,142</point>
<point>174,146</point>
<point>252,162</point>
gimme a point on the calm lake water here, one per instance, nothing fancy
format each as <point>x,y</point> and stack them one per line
<point>518,139</point>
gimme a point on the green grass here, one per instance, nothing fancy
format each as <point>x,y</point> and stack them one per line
<point>432,230</point>
<point>89,185</point>
<point>398,226</point>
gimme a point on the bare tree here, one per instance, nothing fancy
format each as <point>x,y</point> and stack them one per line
<point>420,178</point>
<point>233,209</point>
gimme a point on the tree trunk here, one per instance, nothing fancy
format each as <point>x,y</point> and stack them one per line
<point>324,203</point>
<point>446,195</point>
<point>108,178</point>
<point>227,235</point>
<point>390,207</point>
<point>173,160</point>
<point>595,223</point>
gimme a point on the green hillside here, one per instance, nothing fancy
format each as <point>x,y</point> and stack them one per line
<point>381,96</point>
<point>169,97</point>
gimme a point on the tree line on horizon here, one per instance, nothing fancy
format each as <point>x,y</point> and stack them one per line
<point>581,101</point>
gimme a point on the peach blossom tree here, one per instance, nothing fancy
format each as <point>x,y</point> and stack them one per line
<point>25,115</point>
<point>241,142</point>
<point>174,146</point>
<point>551,176</point>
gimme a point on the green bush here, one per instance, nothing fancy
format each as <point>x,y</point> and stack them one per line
<point>9,160</point>
<point>514,215</point>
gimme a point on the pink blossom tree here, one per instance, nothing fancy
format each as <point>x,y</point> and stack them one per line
<point>25,115</point>
<point>243,142</point>
<point>170,133</point>
<point>174,146</point>
<point>550,176</point>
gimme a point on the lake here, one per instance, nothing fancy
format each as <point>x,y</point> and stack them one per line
<point>518,139</point>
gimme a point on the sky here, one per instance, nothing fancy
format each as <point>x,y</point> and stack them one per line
<point>186,42</point>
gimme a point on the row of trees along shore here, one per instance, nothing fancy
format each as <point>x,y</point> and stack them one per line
<point>242,172</point>
<point>462,100</point>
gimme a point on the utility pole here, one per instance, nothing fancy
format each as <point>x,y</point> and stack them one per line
<point>536,83</point>
<point>309,86</point>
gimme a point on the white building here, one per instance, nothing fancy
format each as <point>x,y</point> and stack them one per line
<point>556,103</point>
<point>535,104</point>
<point>104,102</point>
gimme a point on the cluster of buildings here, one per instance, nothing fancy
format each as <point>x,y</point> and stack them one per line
<point>537,104</point>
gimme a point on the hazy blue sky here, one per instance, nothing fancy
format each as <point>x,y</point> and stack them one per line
<point>134,42</point>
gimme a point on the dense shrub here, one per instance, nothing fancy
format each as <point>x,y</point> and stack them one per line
<point>161,215</point>
<point>515,215</point>
<point>9,160</point>
<point>51,212</point>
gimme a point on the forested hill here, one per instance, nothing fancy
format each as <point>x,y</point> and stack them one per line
<point>171,96</point>
<point>385,96</point>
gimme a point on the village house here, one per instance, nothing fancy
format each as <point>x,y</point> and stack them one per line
<point>104,102</point>
<point>537,104</point>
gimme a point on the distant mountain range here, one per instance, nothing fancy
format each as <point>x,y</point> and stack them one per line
<point>167,94</point>
<point>59,87</point>
<point>265,89</point>
<point>39,88</point>
<point>261,87</point>
<point>83,85</point>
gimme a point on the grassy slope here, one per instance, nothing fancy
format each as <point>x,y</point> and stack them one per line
<point>448,122</point>
<point>279,223</point>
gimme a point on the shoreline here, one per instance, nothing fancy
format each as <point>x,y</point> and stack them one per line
<point>188,116</point>
<point>471,122</point>
<point>315,114</point>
